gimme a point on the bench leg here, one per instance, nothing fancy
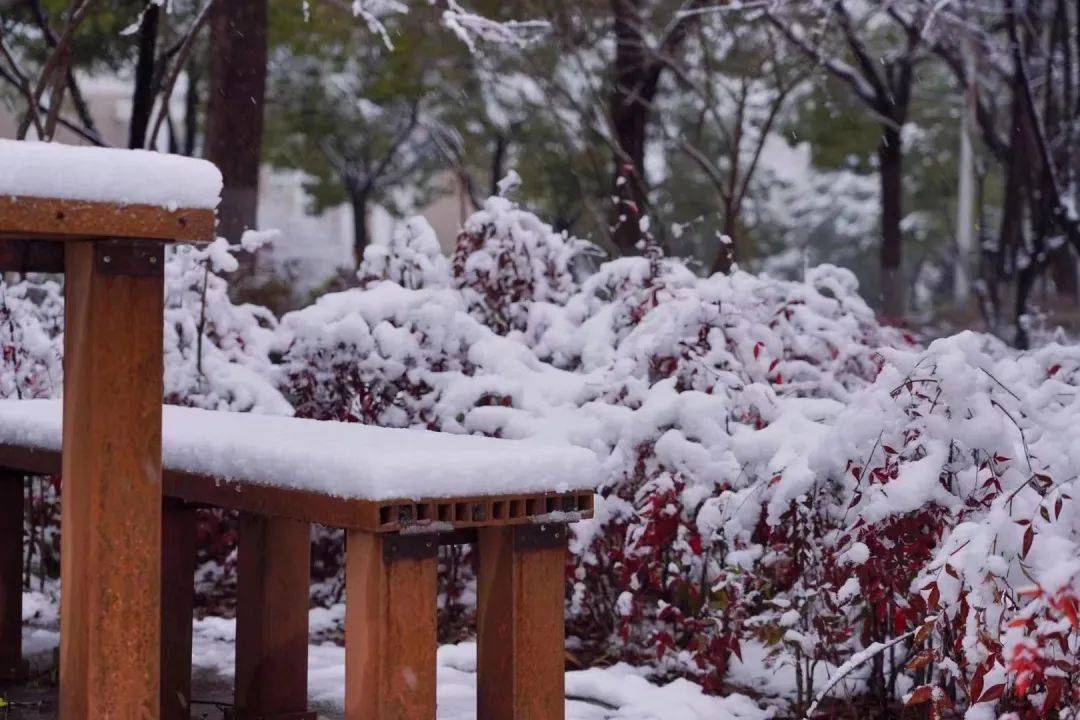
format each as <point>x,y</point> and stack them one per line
<point>178,540</point>
<point>520,622</point>
<point>110,549</point>
<point>11,572</point>
<point>390,626</point>
<point>272,602</point>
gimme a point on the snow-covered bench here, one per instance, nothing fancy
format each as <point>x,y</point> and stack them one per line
<point>400,494</point>
<point>134,475</point>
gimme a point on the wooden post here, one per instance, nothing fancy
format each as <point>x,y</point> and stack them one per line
<point>272,600</point>
<point>111,503</point>
<point>11,571</point>
<point>178,539</point>
<point>520,625</point>
<point>390,626</point>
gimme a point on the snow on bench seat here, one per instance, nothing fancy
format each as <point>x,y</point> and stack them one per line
<point>105,175</point>
<point>345,460</point>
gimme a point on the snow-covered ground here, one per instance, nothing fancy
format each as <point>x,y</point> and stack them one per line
<point>614,693</point>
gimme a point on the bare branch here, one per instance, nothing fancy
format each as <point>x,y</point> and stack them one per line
<point>838,69</point>
<point>182,55</point>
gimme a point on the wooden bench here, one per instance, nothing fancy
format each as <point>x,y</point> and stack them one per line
<point>128,540</point>
<point>391,546</point>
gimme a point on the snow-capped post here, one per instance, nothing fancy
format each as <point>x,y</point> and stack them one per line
<point>107,214</point>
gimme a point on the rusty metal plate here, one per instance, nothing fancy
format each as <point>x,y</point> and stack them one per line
<point>410,547</point>
<point>544,536</point>
<point>129,257</point>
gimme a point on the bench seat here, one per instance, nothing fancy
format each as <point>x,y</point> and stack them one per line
<point>338,474</point>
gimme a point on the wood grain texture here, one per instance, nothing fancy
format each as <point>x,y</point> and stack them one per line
<point>11,570</point>
<point>390,633</point>
<point>179,531</point>
<point>273,576</point>
<point>111,498</point>
<point>520,629</point>
<point>53,219</point>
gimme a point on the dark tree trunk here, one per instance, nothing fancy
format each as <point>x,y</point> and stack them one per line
<point>142,100</point>
<point>234,115</point>
<point>891,167</point>
<point>727,253</point>
<point>191,109</point>
<point>1063,274</point>
<point>635,82</point>
<point>498,162</point>
<point>359,202</point>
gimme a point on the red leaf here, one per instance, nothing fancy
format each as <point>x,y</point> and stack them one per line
<point>1055,686</point>
<point>993,693</point>
<point>923,693</point>
<point>1053,370</point>
<point>977,683</point>
<point>1029,537</point>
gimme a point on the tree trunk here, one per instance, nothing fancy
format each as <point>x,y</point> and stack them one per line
<point>234,116</point>
<point>891,164</point>
<point>727,252</point>
<point>142,100</point>
<point>498,162</point>
<point>635,82</point>
<point>191,109</point>
<point>359,202</point>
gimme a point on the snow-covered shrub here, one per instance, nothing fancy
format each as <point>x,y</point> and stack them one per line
<point>931,513</point>
<point>217,353</point>
<point>410,257</point>
<point>365,355</point>
<point>31,338</point>
<point>507,258</point>
<point>697,364</point>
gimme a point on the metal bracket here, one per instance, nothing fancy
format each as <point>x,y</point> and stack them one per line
<point>129,257</point>
<point>409,546</point>
<point>545,536</point>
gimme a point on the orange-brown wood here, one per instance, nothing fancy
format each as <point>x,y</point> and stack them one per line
<point>390,632</point>
<point>111,498</point>
<point>178,538</point>
<point>273,574</point>
<point>54,219</point>
<point>520,627</point>
<point>11,570</point>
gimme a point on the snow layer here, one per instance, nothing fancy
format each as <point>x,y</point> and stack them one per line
<point>342,459</point>
<point>620,692</point>
<point>125,177</point>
